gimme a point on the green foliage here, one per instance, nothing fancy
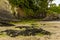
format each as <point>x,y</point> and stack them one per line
<point>54,8</point>
<point>32,7</point>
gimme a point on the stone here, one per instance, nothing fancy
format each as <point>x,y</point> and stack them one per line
<point>5,10</point>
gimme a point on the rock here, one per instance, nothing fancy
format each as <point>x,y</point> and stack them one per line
<point>5,10</point>
<point>52,17</point>
<point>4,4</point>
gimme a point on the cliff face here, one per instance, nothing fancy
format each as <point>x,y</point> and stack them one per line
<point>4,4</point>
<point>5,10</point>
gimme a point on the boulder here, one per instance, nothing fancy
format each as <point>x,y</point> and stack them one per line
<point>5,10</point>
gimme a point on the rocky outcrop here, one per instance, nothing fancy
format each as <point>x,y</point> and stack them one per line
<point>52,17</point>
<point>5,10</point>
<point>4,4</point>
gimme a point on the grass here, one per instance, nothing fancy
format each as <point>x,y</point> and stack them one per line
<point>3,35</point>
<point>39,34</point>
<point>27,21</point>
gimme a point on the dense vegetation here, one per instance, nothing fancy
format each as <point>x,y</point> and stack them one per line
<point>55,8</point>
<point>32,8</point>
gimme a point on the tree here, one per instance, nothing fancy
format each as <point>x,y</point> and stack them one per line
<point>32,8</point>
<point>54,8</point>
<point>53,5</point>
